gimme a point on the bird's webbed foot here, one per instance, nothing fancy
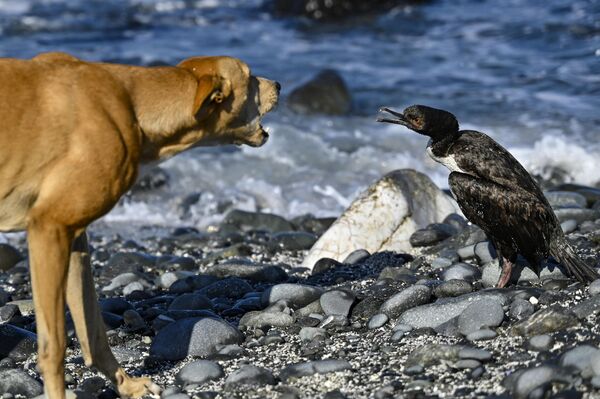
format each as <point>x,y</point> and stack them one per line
<point>506,274</point>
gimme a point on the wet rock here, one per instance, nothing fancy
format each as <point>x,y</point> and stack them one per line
<point>565,199</point>
<point>474,353</point>
<point>432,354</point>
<point>9,257</point>
<point>193,337</point>
<point>408,298</point>
<point>461,271</point>
<point>587,308</point>
<point>594,288</point>
<point>310,333</point>
<point>16,343</point>
<point>325,93</point>
<point>248,270</point>
<point>199,372</point>
<point>126,262</point>
<point>568,226</point>
<point>296,295</point>
<point>521,273</point>
<point>250,375</point>
<point>582,359</point>
<point>485,252</point>
<point>377,321</point>
<point>481,335</point>
<point>467,252</point>
<point>293,240</point>
<point>545,321</point>
<point>398,274</point>
<point>245,221</point>
<point>331,10</point>
<point>383,217</point>
<point>432,234</point>
<point>445,309</point>
<point>258,319</point>
<point>479,314</point>
<point>540,343</point>
<point>18,382</point>
<point>7,312</point>
<point>231,287</point>
<point>452,288</point>
<point>522,383</point>
<point>115,305</point>
<point>337,302</point>
<point>314,367</point>
<point>191,302</point>
<point>356,256</point>
<point>520,309</point>
<point>580,215</point>
<point>124,279</point>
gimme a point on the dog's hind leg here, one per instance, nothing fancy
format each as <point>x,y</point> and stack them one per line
<point>83,304</point>
<point>49,247</point>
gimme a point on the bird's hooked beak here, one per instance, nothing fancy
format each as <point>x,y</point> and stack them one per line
<point>398,120</point>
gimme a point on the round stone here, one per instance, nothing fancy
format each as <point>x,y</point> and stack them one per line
<point>410,297</point>
<point>199,372</point>
<point>337,302</point>
<point>377,321</point>
<point>461,271</point>
<point>250,375</point>
<point>479,314</point>
<point>193,337</point>
<point>540,343</point>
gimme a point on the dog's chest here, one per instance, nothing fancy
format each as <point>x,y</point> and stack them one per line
<point>14,208</point>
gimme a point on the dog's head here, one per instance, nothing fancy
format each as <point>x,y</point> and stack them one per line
<point>230,102</point>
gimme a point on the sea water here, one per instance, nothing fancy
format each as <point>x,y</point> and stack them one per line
<point>527,72</point>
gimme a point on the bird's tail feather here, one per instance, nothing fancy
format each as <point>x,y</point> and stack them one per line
<point>564,253</point>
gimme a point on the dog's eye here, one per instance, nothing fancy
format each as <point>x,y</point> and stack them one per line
<point>218,97</point>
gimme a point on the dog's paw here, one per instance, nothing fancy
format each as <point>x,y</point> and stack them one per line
<point>131,387</point>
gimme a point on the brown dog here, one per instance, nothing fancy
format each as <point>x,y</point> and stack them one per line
<point>72,137</point>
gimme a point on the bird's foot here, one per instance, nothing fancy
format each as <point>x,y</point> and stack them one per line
<point>506,273</point>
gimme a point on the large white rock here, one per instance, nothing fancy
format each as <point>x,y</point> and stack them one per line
<point>384,216</point>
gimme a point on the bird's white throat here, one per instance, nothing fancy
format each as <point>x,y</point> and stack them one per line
<point>447,161</point>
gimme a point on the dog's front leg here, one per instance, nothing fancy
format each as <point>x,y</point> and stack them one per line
<point>49,247</point>
<point>83,304</point>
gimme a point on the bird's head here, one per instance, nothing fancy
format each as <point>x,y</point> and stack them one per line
<point>432,122</point>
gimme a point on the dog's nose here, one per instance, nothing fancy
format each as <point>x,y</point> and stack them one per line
<point>278,87</point>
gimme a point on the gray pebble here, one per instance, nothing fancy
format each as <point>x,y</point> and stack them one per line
<point>259,319</point>
<point>452,288</point>
<point>520,309</point>
<point>310,333</point>
<point>540,343</point>
<point>16,343</point>
<point>250,375</point>
<point>441,263</point>
<point>481,335</point>
<point>248,270</point>
<point>199,372</point>
<point>474,353</point>
<point>568,226</point>
<point>18,382</point>
<point>467,364</point>
<point>461,271</point>
<point>410,297</point>
<point>485,252</point>
<point>193,337</point>
<point>356,256</point>
<point>132,287</point>
<point>545,321</point>
<point>594,287</point>
<point>337,302</point>
<point>443,310</point>
<point>296,295</point>
<point>581,358</point>
<point>467,252</point>
<point>314,367</point>
<point>191,301</point>
<point>377,321</point>
<point>231,287</point>
<point>479,314</point>
<point>565,199</point>
<point>530,379</point>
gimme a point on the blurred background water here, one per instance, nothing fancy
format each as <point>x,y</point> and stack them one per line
<point>527,72</point>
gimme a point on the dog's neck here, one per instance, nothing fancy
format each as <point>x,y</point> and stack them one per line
<point>163,99</point>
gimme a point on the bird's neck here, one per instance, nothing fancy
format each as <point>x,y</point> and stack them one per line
<point>440,145</point>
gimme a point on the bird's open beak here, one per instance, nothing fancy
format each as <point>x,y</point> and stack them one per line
<point>398,120</point>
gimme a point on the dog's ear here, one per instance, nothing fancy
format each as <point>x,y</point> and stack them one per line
<point>212,88</point>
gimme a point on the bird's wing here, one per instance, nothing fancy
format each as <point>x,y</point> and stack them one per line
<point>480,156</point>
<point>513,218</point>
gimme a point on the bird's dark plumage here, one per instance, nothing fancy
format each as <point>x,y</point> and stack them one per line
<point>495,192</point>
